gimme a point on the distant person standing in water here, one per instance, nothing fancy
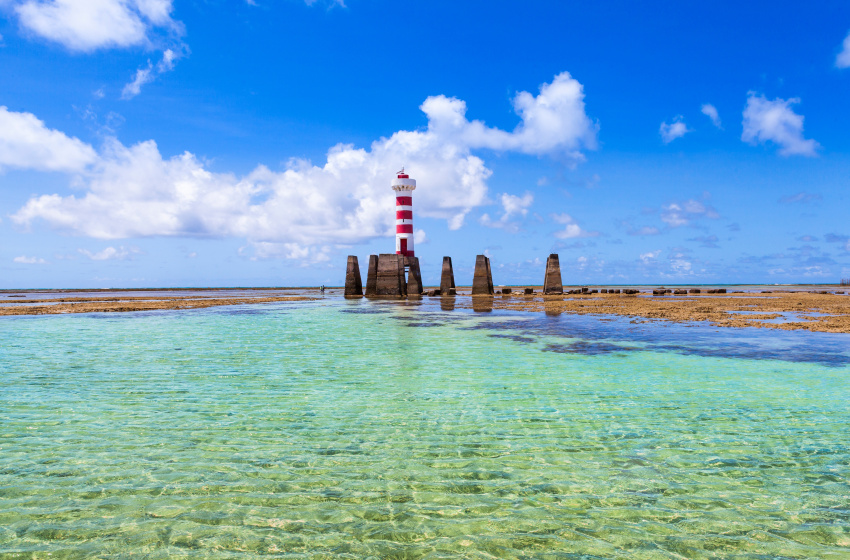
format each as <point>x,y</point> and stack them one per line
<point>322,288</point>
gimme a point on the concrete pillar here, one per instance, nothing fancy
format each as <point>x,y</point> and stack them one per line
<point>447,278</point>
<point>414,278</point>
<point>402,283</point>
<point>482,279</point>
<point>552,282</point>
<point>353,283</point>
<point>390,278</point>
<point>372,277</point>
<point>490,277</point>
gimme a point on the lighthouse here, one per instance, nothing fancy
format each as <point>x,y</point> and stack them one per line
<point>404,186</point>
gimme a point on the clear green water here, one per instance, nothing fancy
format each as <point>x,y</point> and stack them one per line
<point>356,429</point>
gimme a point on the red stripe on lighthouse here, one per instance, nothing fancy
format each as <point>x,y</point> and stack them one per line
<point>404,201</point>
<point>405,228</point>
<point>403,215</point>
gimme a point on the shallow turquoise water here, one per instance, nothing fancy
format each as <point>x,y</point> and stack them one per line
<point>356,429</point>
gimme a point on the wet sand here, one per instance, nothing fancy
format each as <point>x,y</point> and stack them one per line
<point>775,310</point>
<point>787,310</point>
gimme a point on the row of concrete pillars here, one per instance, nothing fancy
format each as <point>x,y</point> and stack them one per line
<point>386,277</point>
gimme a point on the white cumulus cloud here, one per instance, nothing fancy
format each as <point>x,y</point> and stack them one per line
<point>775,121</point>
<point>147,74</point>
<point>136,192</point>
<point>110,254</point>
<point>676,129</point>
<point>710,111</point>
<point>513,206</point>
<point>517,204</point>
<point>843,58</point>
<point>678,214</point>
<point>330,3</point>
<point>26,143</point>
<point>581,262</point>
<point>645,230</point>
<point>680,267</point>
<point>554,122</point>
<point>650,256</point>
<point>571,228</point>
<point>29,260</point>
<point>88,25</point>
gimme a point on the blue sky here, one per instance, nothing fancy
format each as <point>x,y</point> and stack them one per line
<point>220,143</point>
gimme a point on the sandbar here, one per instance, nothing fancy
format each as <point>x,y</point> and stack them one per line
<point>786,310</point>
<point>789,310</point>
<point>117,304</point>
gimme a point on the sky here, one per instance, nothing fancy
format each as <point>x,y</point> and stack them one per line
<point>165,143</point>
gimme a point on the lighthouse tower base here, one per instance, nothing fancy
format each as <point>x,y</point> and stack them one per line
<point>387,276</point>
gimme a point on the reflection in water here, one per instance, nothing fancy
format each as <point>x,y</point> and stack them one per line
<point>552,311</point>
<point>482,304</point>
<point>447,303</point>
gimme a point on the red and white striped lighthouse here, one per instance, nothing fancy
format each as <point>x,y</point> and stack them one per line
<point>404,186</point>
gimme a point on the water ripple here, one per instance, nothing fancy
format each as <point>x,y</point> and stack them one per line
<point>319,432</point>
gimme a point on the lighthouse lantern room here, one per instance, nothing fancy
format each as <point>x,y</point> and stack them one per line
<point>404,186</point>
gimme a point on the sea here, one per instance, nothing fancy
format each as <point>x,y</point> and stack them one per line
<point>419,429</point>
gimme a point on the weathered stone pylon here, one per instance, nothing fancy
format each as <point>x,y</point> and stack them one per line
<point>482,279</point>
<point>414,277</point>
<point>447,278</point>
<point>390,277</point>
<point>552,283</point>
<point>353,283</point>
<point>372,277</point>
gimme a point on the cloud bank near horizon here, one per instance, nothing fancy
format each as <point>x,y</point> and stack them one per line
<point>134,191</point>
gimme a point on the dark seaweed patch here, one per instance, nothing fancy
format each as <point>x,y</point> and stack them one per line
<point>365,311</point>
<point>588,348</point>
<point>601,337</point>
<point>514,337</point>
<point>796,354</point>
<point>236,311</point>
